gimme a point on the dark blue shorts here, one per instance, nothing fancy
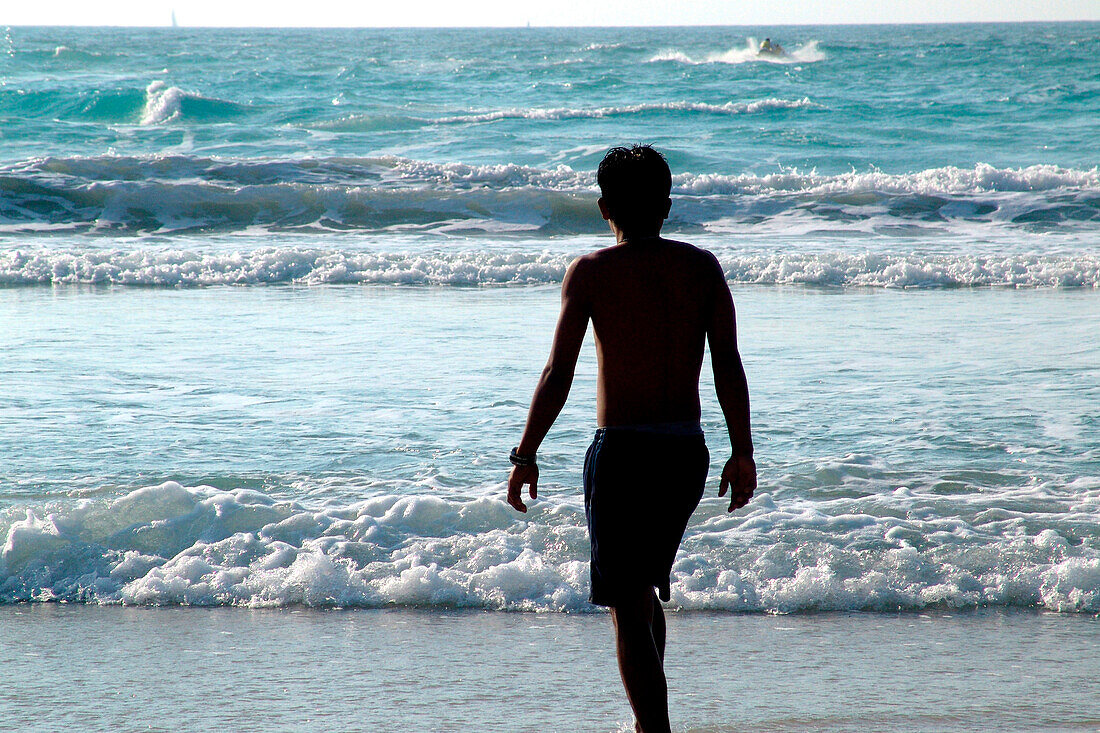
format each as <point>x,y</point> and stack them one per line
<point>640,487</point>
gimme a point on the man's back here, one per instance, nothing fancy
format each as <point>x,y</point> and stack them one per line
<point>650,303</point>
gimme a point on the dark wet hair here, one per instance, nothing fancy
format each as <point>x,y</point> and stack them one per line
<point>635,183</point>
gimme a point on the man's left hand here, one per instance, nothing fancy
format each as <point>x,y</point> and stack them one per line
<point>739,478</point>
<point>522,475</point>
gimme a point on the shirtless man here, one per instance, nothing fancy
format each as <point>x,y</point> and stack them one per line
<point>652,303</point>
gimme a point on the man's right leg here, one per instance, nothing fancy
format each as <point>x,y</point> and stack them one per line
<point>641,655</point>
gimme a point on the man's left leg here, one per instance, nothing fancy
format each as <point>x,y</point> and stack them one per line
<point>658,626</point>
<point>640,641</point>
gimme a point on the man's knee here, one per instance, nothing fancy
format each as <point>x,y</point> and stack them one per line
<point>635,603</point>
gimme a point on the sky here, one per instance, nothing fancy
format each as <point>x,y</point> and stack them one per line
<point>382,13</point>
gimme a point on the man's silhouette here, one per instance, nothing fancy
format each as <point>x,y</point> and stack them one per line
<point>653,303</point>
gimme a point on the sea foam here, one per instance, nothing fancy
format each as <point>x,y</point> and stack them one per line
<point>113,194</point>
<point>273,265</point>
<point>162,103</point>
<point>808,53</point>
<point>374,121</point>
<point>171,544</point>
<point>571,113</point>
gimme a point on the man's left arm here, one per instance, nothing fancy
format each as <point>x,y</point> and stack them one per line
<point>556,379</point>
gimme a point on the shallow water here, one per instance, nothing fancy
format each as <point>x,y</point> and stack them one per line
<point>186,668</point>
<point>916,449</point>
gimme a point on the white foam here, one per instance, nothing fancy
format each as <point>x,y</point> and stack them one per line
<point>946,180</point>
<point>808,53</point>
<point>182,268</point>
<point>570,113</point>
<point>62,52</point>
<point>178,192</point>
<point>170,544</point>
<point>982,178</point>
<point>162,103</point>
<point>902,271</point>
<point>501,175</point>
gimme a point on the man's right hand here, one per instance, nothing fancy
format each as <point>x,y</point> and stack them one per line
<point>739,477</point>
<point>522,475</point>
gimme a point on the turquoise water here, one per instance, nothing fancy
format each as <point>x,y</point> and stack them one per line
<point>273,304</point>
<point>900,99</point>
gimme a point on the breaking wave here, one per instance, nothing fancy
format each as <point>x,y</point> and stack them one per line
<point>158,104</point>
<point>183,268</point>
<point>165,103</point>
<point>170,544</point>
<point>113,194</point>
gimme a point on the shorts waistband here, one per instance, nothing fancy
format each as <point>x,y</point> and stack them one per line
<point>679,429</point>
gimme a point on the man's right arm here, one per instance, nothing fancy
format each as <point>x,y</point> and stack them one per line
<point>739,473</point>
<point>556,379</point>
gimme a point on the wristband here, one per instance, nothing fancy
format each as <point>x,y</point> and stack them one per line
<point>519,460</point>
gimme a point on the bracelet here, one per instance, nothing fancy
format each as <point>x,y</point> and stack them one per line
<point>518,460</point>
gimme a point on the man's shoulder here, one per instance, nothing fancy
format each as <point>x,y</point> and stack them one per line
<point>696,259</point>
<point>588,263</point>
<point>609,260</point>
<point>690,250</point>
<point>616,251</point>
<point>581,266</point>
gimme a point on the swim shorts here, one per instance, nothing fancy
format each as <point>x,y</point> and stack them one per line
<point>641,484</point>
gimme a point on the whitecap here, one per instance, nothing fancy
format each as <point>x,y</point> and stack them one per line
<point>171,544</point>
<point>807,53</point>
<point>573,113</point>
<point>162,103</point>
<point>183,268</point>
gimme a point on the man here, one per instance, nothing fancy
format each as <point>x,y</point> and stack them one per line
<point>652,303</point>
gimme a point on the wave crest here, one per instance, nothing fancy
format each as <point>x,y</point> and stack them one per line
<point>570,113</point>
<point>170,544</point>
<point>948,180</point>
<point>181,268</point>
<point>181,193</point>
<point>165,104</point>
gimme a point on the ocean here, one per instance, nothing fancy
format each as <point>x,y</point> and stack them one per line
<point>273,304</point>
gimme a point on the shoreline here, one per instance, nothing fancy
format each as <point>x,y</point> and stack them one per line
<point>442,610</point>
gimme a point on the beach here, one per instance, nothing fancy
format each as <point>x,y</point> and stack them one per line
<point>273,303</point>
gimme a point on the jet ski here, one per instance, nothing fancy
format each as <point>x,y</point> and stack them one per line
<point>772,50</point>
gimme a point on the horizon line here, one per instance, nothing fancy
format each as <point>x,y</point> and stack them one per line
<point>534,27</point>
